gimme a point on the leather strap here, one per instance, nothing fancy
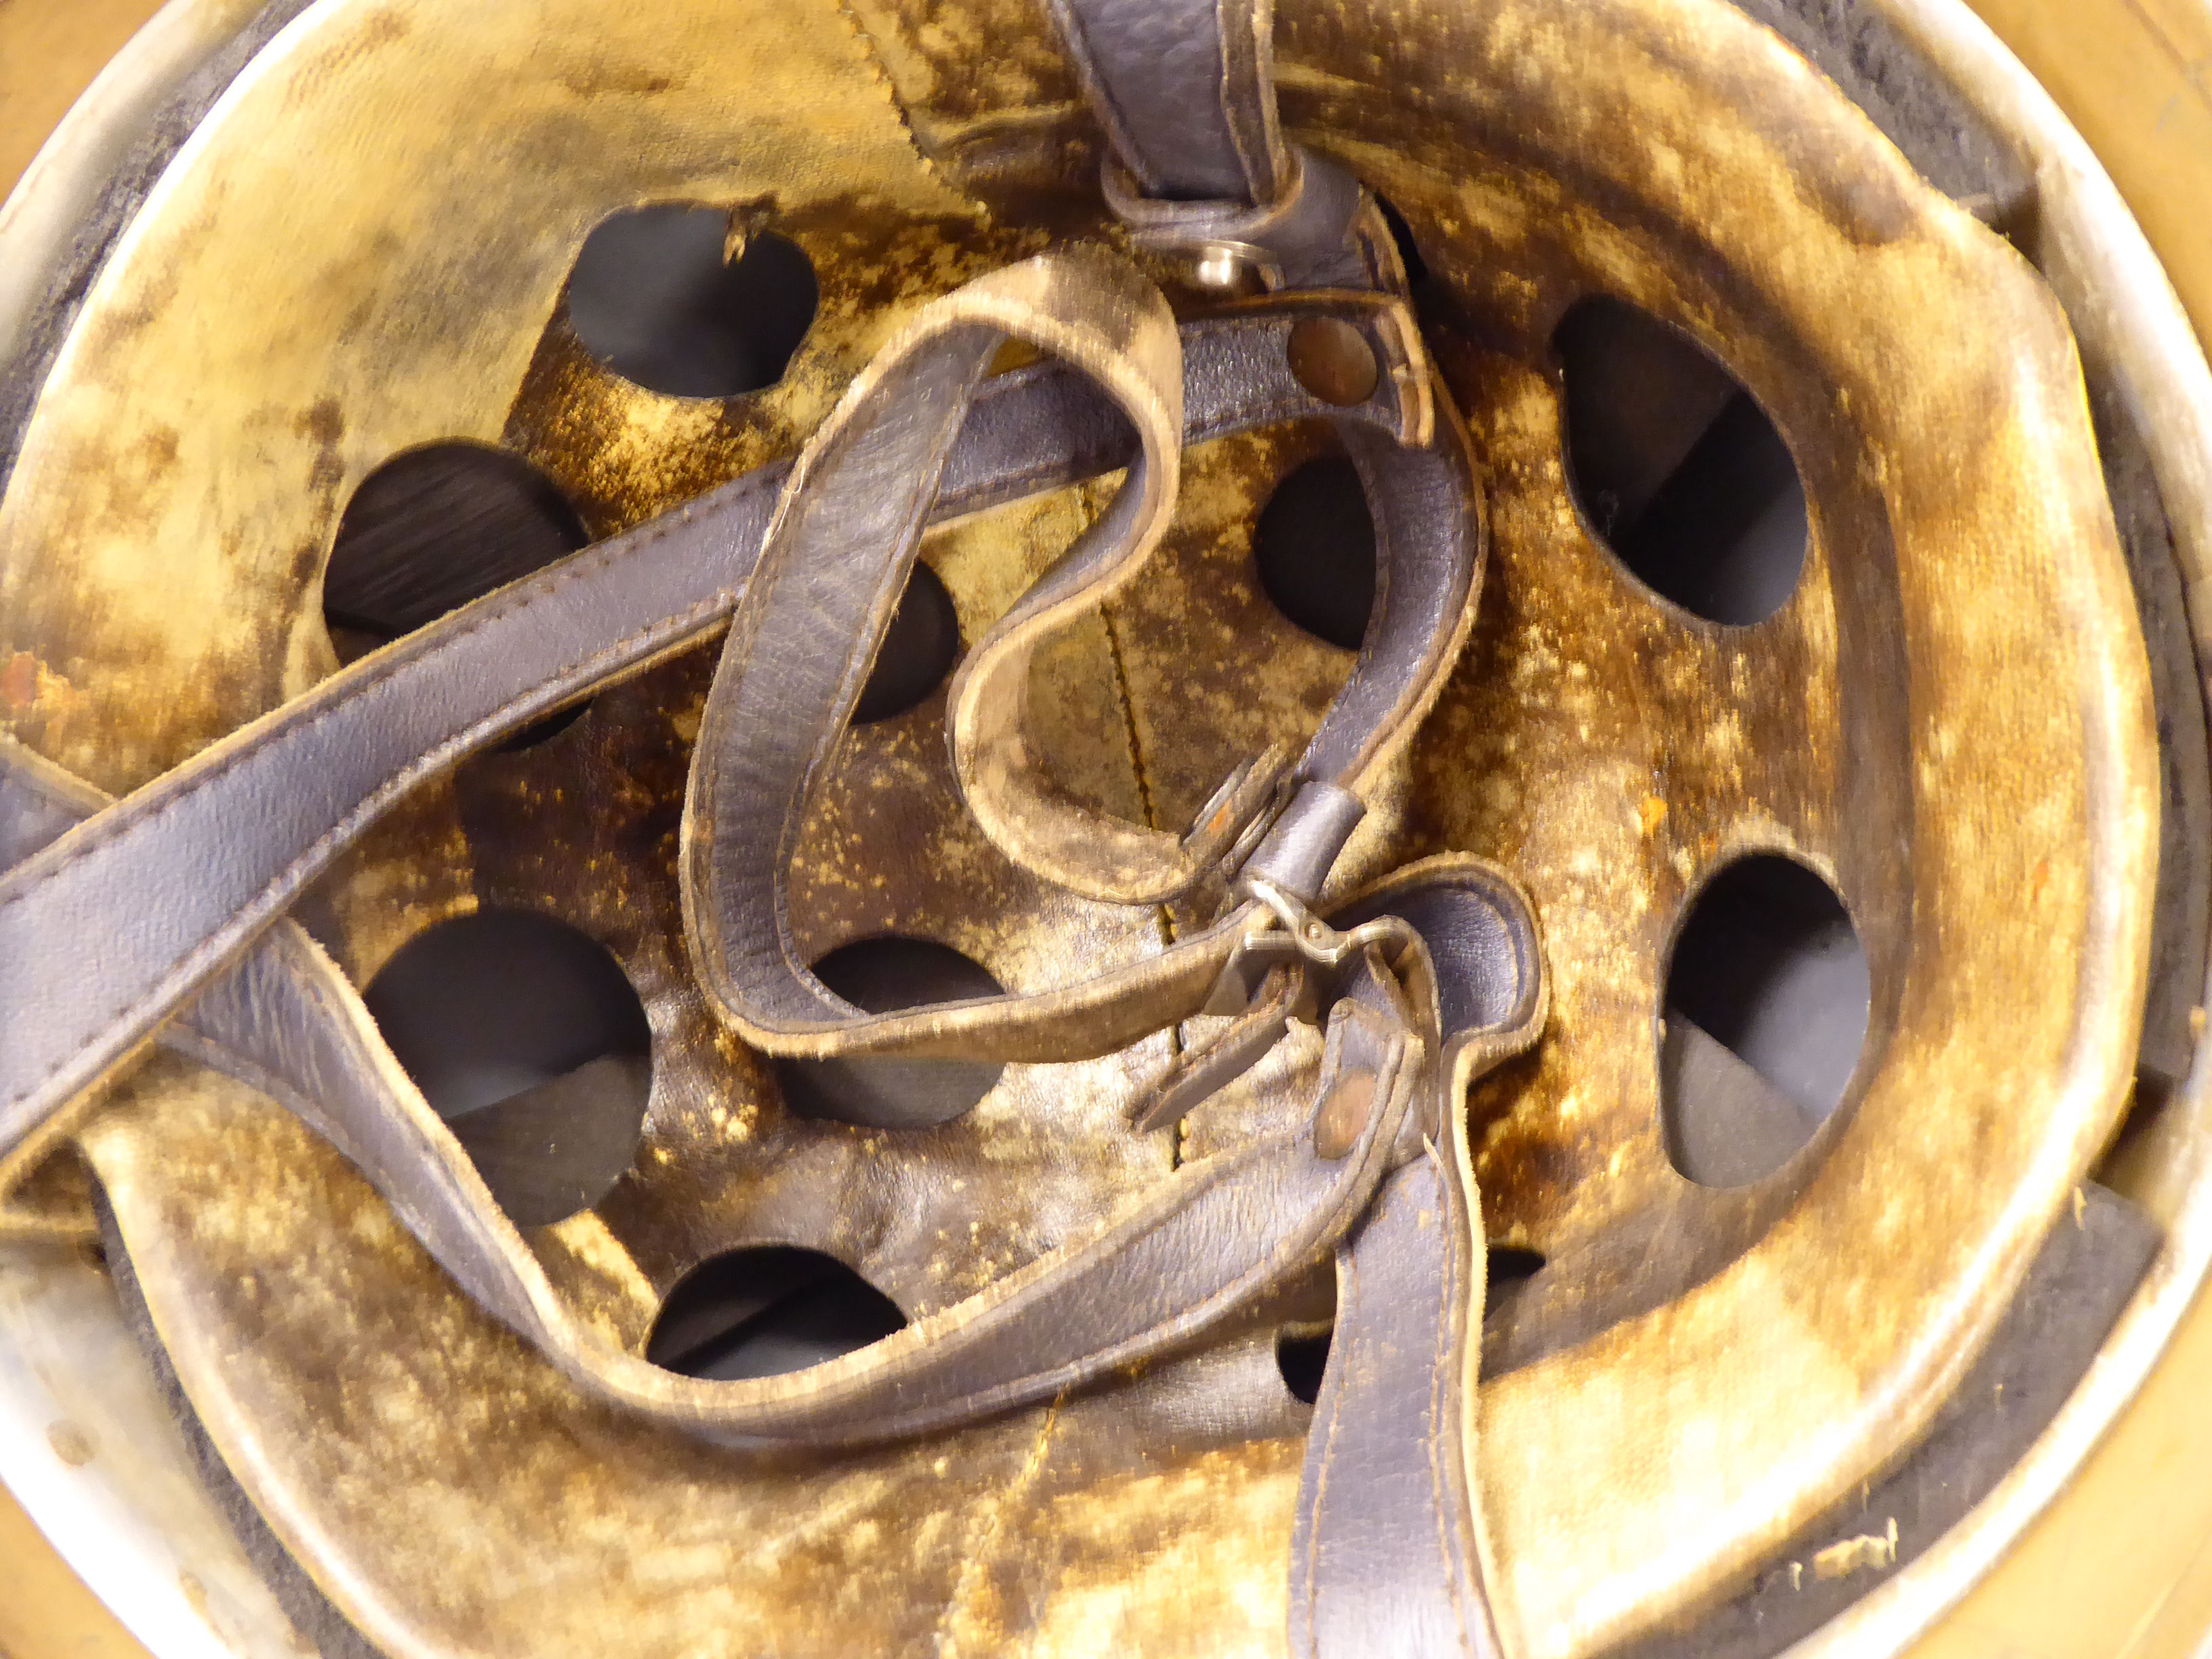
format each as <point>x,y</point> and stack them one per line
<point>166,881</point>
<point>806,631</point>
<point>174,889</point>
<point>285,1020</point>
<point>1173,1263</point>
<point>1386,1556</point>
<point>1185,89</point>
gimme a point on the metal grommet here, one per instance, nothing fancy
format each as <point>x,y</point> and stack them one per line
<point>1333,361</point>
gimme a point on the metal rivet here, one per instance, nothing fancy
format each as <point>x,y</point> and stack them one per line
<point>1219,265</point>
<point>1332,360</point>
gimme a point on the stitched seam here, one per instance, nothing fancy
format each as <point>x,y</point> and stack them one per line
<point>21,1157</point>
<point>1254,411</point>
<point>1348,1306</point>
<point>339,832</point>
<point>1160,914</point>
<point>979,1547</point>
<point>1070,470</point>
<point>234,1063</point>
<point>858,666</point>
<point>1105,107</point>
<point>1208,1309</point>
<point>1283,408</point>
<point>512,606</point>
<point>1239,93</point>
<point>1439,1486</point>
<point>50,792</point>
<point>1260,411</point>
<point>1341,1188</point>
<point>1127,706</point>
<point>471,1218</point>
<point>438,648</point>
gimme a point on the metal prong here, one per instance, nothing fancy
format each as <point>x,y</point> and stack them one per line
<point>1204,1072</point>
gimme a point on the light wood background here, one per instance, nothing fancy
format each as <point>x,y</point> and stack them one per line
<point>2121,1568</point>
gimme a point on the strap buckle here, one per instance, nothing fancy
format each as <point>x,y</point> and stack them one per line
<point>1321,231</point>
<point>1293,935</point>
<point>1291,966</point>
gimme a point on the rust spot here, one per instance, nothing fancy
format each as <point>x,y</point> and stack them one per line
<point>19,682</point>
<point>1344,1115</point>
<point>159,447</point>
<point>322,420</point>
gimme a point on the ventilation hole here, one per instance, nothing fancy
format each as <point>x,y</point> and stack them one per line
<point>918,650</point>
<point>1301,1355</point>
<point>883,976</point>
<point>525,1037</point>
<point>551,726</point>
<point>1511,1265</point>
<point>1765,1014</point>
<point>1416,268</point>
<point>1676,468</point>
<point>432,529</point>
<point>765,1310</point>
<point>654,298</point>
<point>1315,547</point>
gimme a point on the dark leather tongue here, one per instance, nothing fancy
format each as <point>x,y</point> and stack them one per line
<point>1384,1559</point>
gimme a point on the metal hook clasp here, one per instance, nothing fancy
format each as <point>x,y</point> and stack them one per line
<point>1299,935</point>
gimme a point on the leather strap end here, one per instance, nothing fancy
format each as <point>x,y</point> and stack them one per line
<point>1200,1073</point>
<point>1240,803</point>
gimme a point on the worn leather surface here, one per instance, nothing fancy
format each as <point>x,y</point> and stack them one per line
<point>313,775</point>
<point>1192,1252</point>
<point>1511,429</point>
<point>817,601</point>
<point>1185,91</point>
<point>1628,750</point>
<point>1387,1556</point>
<point>1198,1246</point>
<point>802,643</point>
<point>1385,1560</point>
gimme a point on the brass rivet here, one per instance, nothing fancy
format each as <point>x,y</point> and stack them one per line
<point>1332,360</point>
<point>1343,1116</point>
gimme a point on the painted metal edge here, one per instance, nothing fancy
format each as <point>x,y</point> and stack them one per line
<point>87,1446</point>
<point>2131,327</point>
<point>91,1453</point>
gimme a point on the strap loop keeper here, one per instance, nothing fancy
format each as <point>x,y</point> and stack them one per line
<point>1314,235</point>
<point>1301,845</point>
